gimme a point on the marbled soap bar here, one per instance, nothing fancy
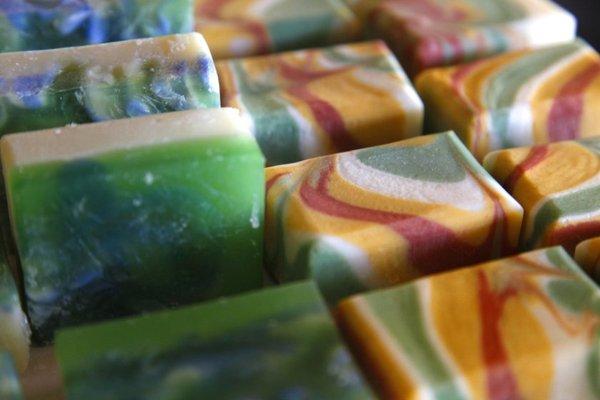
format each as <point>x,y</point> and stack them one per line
<point>516,99</point>
<point>431,33</point>
<point>272,344</point>
<point>385,215</point>
<point>43,24</point>
<point>52,88</point>
<point>126,216</point>
<point>14,329</point>
<point>310,103</point>
<point>526,327</point>
<point>238,28</point>
<point>587,255</point>
<point>9,382</point>
<point>558,185</point>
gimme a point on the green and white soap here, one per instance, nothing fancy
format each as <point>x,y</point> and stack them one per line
<point>127,216</point>
<point>276,343</point>
<point>9,382</point>
<point>14,329</point>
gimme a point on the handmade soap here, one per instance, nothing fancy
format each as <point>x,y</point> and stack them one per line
<point>310,103</point>
<point>14,329</point>
<point>587,255</point>
<point>431,33</point>
<point>53,88</point>
<point>126,216</point>
<point>385,215</point>
<point>9,382</point>
<point>516,99</point>
<point>526,327</point>
<point>238,28</point>
<point>272,344</point>
<point>558,186</point>
<point>43,24</point>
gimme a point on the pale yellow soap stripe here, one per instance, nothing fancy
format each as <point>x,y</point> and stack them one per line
<point>165,49</point>
<point>72,142</point>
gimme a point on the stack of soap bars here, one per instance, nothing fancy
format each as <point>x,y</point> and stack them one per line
<point>359,199</point>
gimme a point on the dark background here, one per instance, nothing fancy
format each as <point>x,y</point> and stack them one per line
<point>588,16</point>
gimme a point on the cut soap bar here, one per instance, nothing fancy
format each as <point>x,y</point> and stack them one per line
<point>310,103</point>
<point>220,350</point>
<point>558,185</point>
<point>385,215</point>
<point>587,255</point>
<point>431,33</point>
<point>39,25</point>
<point>14,328</point>
<point>53,88</point>
<point>526,327</point>
<point>132,215</point>
<point>516,99</point>
<point>9,381</point>
<point>238,28</point>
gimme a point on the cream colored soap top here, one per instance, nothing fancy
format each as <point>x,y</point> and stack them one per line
<point>73,142</point>
<point>169,49</point>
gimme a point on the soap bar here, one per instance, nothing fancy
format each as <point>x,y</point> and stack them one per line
<point>272,344</point>
<point>385,215</point>
<point>53,88</point>
<point>310,103</point>
<point>526,327</point>
<point>14,329</point>
<point>238,28</point>
<point>558,186</point>
<point>9,382</point>
<point>516,99</point>
<point>587,255</point>
<point>126,216</point>
<point>40,25</point>
<point>431,33</point>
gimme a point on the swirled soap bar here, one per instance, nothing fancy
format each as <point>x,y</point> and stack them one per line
<point>310,103</point>
<point>127,216</point>
<point>220,350</point>
<point>516,99</point>
<point>10,389</point>
<point>14,329</point>
<point>239,28</point>
<point>48,24</point>
<point>558,185</point>
<point>587,255</point>
<point>526,327</point>
<point>431,33</point>
<point>53,88</point>
<point>384,215</point>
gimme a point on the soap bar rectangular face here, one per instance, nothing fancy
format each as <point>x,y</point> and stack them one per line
<point>558,185</point>
<point>310,103</point>
<point>9,382</point>
<point>385,215</point>
<point>274,344</point>
<point>127,216</point>
<point>238,28</point>
<point>14,328</point>
<point>53,88</point>
<point>431,33</point>
<point>587,255</point>
<point>526,327</point>
<point>42,24</point>
<point>517,99</point>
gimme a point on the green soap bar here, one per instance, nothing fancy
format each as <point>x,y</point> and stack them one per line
<point>14,329</point>
<point>44,24</point>
<point>52,88</point>
<point>127,216</point>
<point>272,344</point>
<point>9,383</point>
